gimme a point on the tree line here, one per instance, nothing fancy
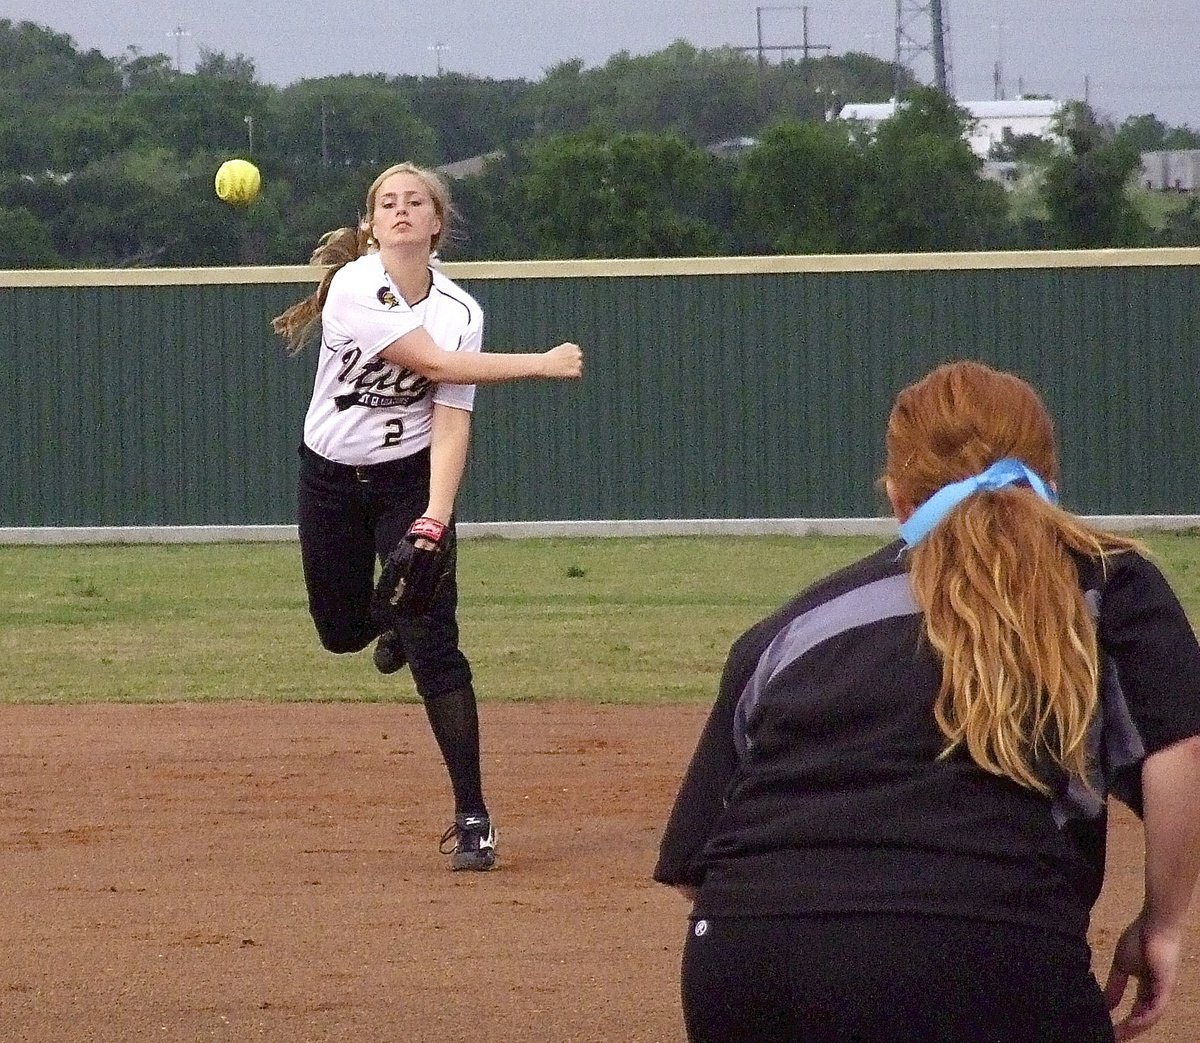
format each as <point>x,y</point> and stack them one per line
<point>109,161</point>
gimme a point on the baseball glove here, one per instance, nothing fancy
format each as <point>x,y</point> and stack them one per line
<point>413,572</point>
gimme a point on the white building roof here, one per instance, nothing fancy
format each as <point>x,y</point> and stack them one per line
<point>1015,108</point>
<point>868,110</point>
<point>992,122</point>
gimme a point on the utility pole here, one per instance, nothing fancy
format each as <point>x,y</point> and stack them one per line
<point>998,69</point>
<point>930,38</point>
<point>804,47</point>
<point>941,80</point>
<point>324,134</point>
<point>438,48</point>
<point>249,121</point>
<point>179,33</point>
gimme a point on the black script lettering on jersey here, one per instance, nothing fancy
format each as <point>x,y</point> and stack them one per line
<point>349,361</point>
<point>380,377</point>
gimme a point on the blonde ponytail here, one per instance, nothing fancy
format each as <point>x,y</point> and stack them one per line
<point>298,325</point>
<point>1004,609</point>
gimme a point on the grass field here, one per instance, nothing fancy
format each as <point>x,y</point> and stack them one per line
<point>1156,208</point>
<point>624,620</point>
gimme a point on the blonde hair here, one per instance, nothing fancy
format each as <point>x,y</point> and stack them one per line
<point>335,249</point>
<point>996,578</point>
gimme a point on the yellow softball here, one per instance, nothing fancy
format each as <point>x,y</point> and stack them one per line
<point>238,182</point>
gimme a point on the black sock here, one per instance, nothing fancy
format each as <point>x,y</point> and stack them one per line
<point>455,723</point>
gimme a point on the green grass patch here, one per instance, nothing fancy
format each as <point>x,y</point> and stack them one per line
<point>623,620</point>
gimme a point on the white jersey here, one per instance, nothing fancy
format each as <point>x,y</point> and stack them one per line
<point>364,410</point>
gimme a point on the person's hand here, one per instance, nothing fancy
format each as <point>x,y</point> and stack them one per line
<point>564,361</point>
<point>1150,956</point>
<point>412,573</point>
<point>437,531</point>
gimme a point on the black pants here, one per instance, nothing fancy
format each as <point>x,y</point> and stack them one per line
<point>350,517</point>
<point>887,979</point>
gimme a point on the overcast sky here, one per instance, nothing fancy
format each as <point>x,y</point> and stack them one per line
<point>1129,56</point>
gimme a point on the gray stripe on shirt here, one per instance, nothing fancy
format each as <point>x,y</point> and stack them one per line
<point>881,599</point>
<point>1114,746</point>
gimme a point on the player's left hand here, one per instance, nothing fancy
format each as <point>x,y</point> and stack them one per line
<point>413,572</point>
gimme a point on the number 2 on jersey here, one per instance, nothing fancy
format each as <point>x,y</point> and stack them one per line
<point>394,433</point>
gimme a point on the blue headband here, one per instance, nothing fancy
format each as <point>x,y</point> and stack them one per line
<point>942,502</point>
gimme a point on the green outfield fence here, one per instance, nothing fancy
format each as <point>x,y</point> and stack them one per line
<point>731,388</point>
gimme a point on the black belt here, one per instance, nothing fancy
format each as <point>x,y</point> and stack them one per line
<point>402,469</point>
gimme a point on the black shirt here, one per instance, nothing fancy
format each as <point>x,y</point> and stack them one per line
<point>818,785</point>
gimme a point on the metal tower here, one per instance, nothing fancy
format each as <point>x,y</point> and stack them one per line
<point>921,29</point>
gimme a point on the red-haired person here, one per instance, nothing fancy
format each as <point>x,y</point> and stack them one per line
<point>384,450</point>
<point>893,827</point>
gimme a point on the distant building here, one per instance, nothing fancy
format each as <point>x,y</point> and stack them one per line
<point>993,121</point>
<point>1171,171</point>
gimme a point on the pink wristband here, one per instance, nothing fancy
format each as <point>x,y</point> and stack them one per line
<point>427,529</point>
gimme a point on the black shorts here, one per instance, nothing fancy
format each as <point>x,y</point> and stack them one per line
<point>887,979</point>
<point>348,519</point>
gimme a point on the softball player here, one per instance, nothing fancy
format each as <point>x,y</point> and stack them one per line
<point>893,827</point>
<point>384,450</point>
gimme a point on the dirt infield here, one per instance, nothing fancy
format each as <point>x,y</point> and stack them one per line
<point>270,872</point>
